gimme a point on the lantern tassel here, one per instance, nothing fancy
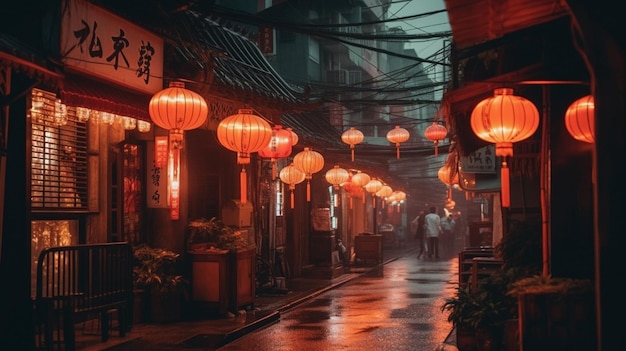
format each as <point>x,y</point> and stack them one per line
<point>274,173</point>
<point>292,199</point>
<point>242,184</point>
<point>436,148</point>
<point>308,191</point>
<point>398,151</point>
<point>506,189</point>
<point>350,201</point>
<point>352,149</point>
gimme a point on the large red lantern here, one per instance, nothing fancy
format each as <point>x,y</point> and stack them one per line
<point>352,137</point>
<point>291,175</point>
<point>309,162</point>
<point>177,109</point>
<point>504,119</point>
<point>436,132</point>
<point>279,146</point>
<point>396,136</point>
<point>244,133</point>
<point>580,119</point>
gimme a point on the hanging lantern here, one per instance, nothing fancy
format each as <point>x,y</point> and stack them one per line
<point>291,175</point>
<point>244,133</point>
<point>176,109</point>
<point>398,196</point>
<point>309,162</point>
<point>436,132</point>
<point>383,193</point>
<point>372,187</point>
<point>352,137</point>
<point>279,147</point>
<point>449,204</point>
<point>580,119</point>
<point>337,176</point>
<point>396,136</point>
<point>504,119</point>
<point>294,137</point>
<point>359,180</point>
<point>445,175</point>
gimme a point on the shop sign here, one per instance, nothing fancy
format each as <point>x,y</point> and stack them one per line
<point>156,185</point>
<point>482,160</point>
<point>104,45</point>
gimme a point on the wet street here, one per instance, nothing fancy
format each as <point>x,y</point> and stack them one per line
<point>395,307</point>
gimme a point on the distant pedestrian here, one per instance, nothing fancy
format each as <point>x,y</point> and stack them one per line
<point>447,235</point>
<point>433,229</point>
<point>420,233</point>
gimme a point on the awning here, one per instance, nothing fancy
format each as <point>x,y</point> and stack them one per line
<point>84,92</point>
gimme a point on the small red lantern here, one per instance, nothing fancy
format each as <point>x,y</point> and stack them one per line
<point>279,146</point>
<point>372,187</point>
<point>291,175</point>
<point>309,162</point>
<point>580,119</point>
<point>436,132</point>
<point>396,136</point>
<point>359,180</point>
<point>383,193</point>
<point>504,119</point>
<point>352,137</point>
<point>337,176</point>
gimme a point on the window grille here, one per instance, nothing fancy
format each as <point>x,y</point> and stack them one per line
<point>58,154</point>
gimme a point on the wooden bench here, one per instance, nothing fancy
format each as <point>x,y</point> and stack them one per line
<point>75,283</point>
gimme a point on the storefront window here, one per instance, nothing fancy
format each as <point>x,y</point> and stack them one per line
<point>133,194</point>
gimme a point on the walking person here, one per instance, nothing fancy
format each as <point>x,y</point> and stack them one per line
<point>419,232</point>
<point>447,235</point>
<point>433,229</point>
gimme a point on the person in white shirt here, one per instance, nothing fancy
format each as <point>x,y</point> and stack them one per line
<point>433,229</point>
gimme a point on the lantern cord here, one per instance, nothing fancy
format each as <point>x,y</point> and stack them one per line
<point>504,180</point>
<point>242,184</point>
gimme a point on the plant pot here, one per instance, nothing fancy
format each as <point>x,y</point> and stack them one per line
<point>466,339</point>
<point>511,335</point>
<point>139,306</point>
<point>489,339</point>
<point>165,305</point>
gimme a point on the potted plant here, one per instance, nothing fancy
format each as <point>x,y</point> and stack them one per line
<point>157,272</point>
<point>203,234</point>
<point>555,313</point>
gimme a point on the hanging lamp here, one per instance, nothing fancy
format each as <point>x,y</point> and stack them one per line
<point>177,109</point>
<point>358,181</point>
<point>436,132</point>
<point>336,176</point>
<point>309,162</point>
<point>580,119</point>
<point>372,187</point>
<point>352,137</point>
<point>244,133</point>
<point>291,175</point>
<point>504,119</point>
<point>396,136</point>
<point>383,193</point>
<point>279,147</point>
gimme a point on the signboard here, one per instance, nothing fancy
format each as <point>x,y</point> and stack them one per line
<point>102,44</point>
<point>156,184</point>
<point>482,160</point>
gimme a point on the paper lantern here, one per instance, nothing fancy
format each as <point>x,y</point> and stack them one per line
<point>436,132</point>
<point>244,133</point>
<point>383,193</point>
<point>176,109</point>
<point>291,175</point>
<point>398,196</point>
<point>580,119</point>
<point>504,119</point>
<point>337,176</point>
<point>294,137</point>
<point>352,137</point>
<point>372,187</point>
<point>278,147</point>
<point>359,180</point>
<point>396,136</point>
<point>309,162</point>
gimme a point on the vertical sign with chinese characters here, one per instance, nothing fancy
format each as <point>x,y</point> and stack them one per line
<point>156,180</point>
<point>161,148</point>
<point>267,37</point>
<point>99,43</point>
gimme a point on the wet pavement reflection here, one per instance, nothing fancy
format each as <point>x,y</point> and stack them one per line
<point>396,306</point>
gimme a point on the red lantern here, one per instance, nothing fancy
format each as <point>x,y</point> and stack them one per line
<point>352,137</point>
<point>383,193</point>
<point>580,119</point>
<point>359,180</point>
<point>396,136</point>
<point>436,132</point>
<point>337,176</point>
<point>177,109</point>
<point>291,175</point>
<point>244,133</point>
<point>309,162</point>
<point>504,119</point>
<point>279,146</point>
<point>372,187</point>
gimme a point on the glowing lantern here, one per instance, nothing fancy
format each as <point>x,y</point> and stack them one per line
<point>372,187</point>
<point>398,135</point>
<point>279,146</point>
<point>352,137</point>
<point>294,137</point>
<point>309,162</point>
<point>436,132</point>
<point>444,174</point>
<point>337,176</point>
<point>504,119</point>
<point>177,109</point>
<point>580,119</point>
<point>398,196</point>
<point>291,175</point>
<point>384,192</point>
<point>244,133</point>
<point>359,180</point>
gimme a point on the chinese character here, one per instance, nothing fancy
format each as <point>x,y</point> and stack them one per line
<point>95,47</point>
<point>145,56</point>
<point>156,197</point>
<point>119,44</point>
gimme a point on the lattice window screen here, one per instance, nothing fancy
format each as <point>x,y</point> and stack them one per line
<point>58,155</point>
